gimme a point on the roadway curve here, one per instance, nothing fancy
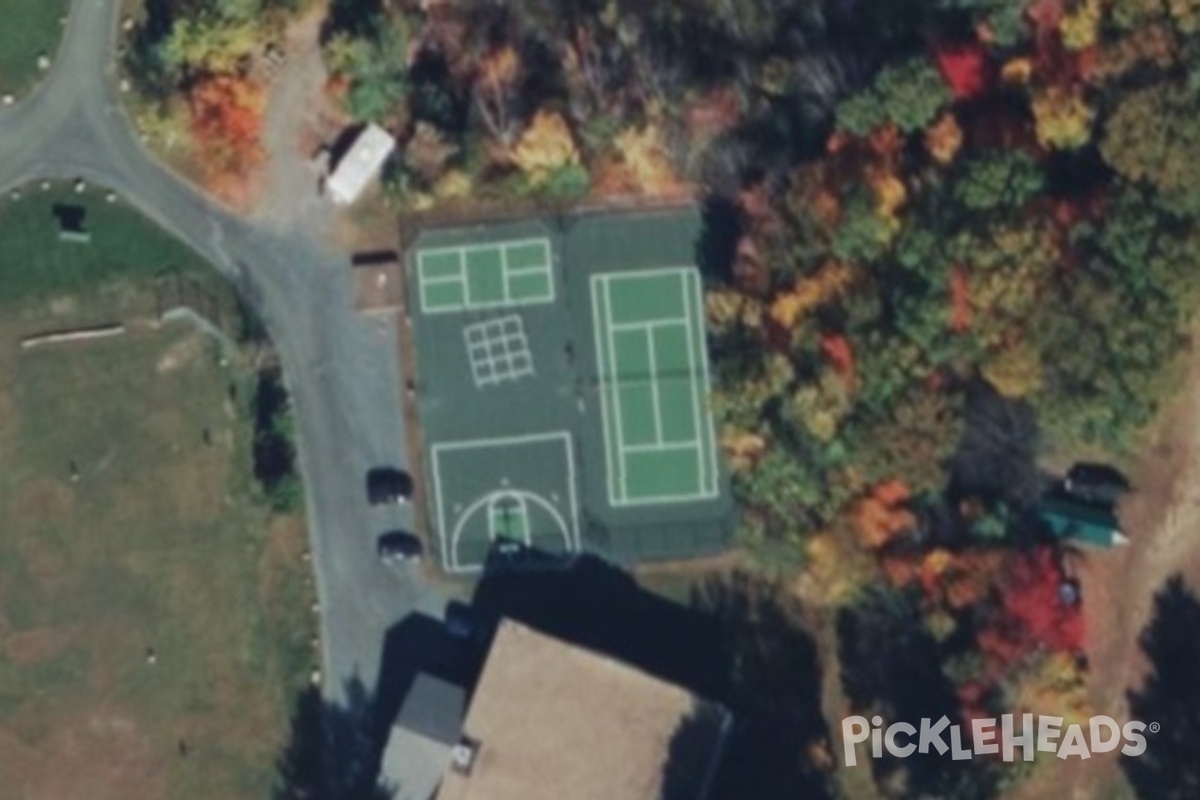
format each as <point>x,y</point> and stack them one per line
<point>342,369</point>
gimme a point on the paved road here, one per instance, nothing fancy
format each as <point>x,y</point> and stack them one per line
<point>342,369</point>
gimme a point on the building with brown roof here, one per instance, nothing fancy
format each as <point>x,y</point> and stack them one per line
<point>549,720</point>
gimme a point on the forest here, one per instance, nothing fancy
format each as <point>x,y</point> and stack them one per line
<point>946,239</point>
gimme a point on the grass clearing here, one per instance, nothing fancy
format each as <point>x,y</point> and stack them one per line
<point>30,29</point>
<point>129,520</point>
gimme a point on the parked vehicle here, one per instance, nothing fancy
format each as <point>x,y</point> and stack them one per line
<point>399,546</point>
<point>1096,483</point>
<point>388,486</point>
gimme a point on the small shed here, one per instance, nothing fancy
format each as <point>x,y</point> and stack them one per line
<point>360,165</point>
<point>1089,523</point>
<point>422,740</point>
<point>378,286</point>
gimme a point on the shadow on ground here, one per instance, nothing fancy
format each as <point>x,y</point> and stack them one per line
<point>334,751</point>
<point>736,644</point>
<point>1170,697</point>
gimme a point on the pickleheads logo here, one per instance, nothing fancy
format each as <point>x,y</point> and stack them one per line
<point>992,736</point>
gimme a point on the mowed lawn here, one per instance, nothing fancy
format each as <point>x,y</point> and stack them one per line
<point>29,29</point>
<point>128,524</point>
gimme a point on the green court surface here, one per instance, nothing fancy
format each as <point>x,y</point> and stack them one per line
<point>472,278</point>
<point>658,439</point>
<point>522,488</point>
<point>562,387</point>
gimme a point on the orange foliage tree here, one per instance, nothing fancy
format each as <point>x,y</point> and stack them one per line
<point>226,113</point>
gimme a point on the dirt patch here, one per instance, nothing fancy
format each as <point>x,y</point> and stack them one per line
<point>296,120</point>
<point>180,354</point>
<point>29,648</point>
<point>8,414</point>
<point>1162,520</point>
<point>45,499</point>
<point>64,306</point>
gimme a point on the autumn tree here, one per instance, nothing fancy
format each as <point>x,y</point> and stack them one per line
<point>374,63</point>
<point>908,93</point>
<point>496,89</point>
<point>1153,136</point>
<point>1005,178</point>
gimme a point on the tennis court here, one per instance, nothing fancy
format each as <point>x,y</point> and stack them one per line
<point>476,277</point>
<point>563,388</point>
<point>653,371</point>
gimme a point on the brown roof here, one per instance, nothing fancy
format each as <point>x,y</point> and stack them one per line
<point>378,288</point>
<point>554,721</point>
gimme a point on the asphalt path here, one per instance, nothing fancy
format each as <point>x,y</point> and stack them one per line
<point>342,369</point>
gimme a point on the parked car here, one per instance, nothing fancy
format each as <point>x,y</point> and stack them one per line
<point>398,546</point>
<point>1096,483</point>
<point>388,486</point>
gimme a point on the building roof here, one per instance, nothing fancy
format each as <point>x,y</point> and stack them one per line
<point>378,287</point>
<point>549,720</point>
<point>1090,523</point>
<point>422,739</point>
<point>360,164</point>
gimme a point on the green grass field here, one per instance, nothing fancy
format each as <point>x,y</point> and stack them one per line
<point>128,521</point>
<point>30,28</point>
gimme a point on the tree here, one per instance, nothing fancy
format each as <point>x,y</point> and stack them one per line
<point>375,64</point>
<point>545,147</point>
<point>999,179</point>
<point>909,439</point>
<point>1153,136</point>
<point>496,89</point>
<point>210,44</point>
<point>909,93</point>
<point>1063,118</point>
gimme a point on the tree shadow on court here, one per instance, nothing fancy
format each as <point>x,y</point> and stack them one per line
<point>336,748</point>
<point>1170,697</point>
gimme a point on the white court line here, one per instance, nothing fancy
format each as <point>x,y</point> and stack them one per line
<point>703,443</point>
<point>697,419</point>
<point>468,248</point>
<point>572,530</point>
<point>546,268</point>
<point>605,424</point>
<point>704,420</point>
<point>616,383</point>
<point>655,398</point>
<point>441,279</point>
<point>685,321</point>
<point>660,447</point>
<point>504,274</point>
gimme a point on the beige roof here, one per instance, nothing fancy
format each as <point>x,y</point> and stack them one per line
<point>555,721</point>
<point>378,288</point>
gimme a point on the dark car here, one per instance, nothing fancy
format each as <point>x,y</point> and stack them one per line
<point>397,546</point>
<point>388,486</point>
<point>1096,483</point>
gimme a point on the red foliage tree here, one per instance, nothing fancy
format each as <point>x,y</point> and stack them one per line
<point>965,69</point>
<point>840,354</point>
<point>1032,614</point>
